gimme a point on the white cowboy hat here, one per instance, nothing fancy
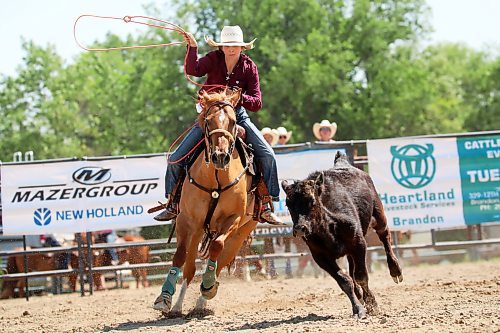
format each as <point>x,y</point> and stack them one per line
<point>324,123</point>
<point>272,132</point>
<point>230,35</point>
<point>282,131</point>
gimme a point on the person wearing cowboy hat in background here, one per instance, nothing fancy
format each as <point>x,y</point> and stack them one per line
<point>283,135</point>
<point>229,67</point>
<point>324,131</point>
<point>270,135</point>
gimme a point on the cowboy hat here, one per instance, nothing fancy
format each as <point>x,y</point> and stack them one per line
<point>327,124</point>
<point>283,132</point>
<point>231,35</point>
<point>272,132</point>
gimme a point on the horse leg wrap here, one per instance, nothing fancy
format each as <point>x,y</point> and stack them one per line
<point>172,277</point>
<point>209,275</point>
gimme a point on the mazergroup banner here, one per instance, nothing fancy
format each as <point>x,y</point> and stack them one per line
<point>431,183</point>
<point>80,196</point>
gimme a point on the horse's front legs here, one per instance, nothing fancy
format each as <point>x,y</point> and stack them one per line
<point>163,302</point>
<point>209,284</point>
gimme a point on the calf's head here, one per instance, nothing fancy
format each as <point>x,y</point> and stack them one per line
<point>302,200</point>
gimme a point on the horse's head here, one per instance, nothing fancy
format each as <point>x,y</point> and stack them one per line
<point>218,121</point>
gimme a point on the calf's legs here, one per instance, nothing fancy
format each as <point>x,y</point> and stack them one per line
<point>344,281</point>
<point>379,224</point>
<point>360,275</point>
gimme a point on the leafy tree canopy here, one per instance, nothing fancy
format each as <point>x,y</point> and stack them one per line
<point>357,62</point>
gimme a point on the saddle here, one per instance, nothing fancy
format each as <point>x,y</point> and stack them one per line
<point>245,153</point>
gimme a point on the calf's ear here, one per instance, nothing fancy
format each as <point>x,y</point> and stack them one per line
<point>286,187</point>
<point>320,180</point>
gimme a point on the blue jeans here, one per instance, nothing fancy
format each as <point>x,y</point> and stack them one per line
<point>263,154</point>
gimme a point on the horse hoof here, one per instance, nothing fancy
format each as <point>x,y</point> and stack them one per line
<point>163,303</point>
<point>209,293</point>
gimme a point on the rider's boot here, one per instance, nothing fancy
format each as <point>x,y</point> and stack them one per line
<point>267,214</point>
<point>172,206</point>
<point>171,210</point>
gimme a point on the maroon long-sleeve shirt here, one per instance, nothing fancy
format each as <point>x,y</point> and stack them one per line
<point>245,75</point>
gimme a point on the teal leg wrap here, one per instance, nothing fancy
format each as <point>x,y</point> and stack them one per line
<point>171,281</point>
<point>209,275</point>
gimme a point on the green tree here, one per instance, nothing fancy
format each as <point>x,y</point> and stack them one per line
<point>318,59</point>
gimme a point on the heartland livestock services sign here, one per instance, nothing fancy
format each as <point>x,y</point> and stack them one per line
<point>431,183</point>
<point>80,196</point>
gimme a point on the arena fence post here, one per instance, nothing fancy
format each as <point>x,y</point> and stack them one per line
<point>81,267</point>
<point>433,237</point>
<point>27,288</point>
<point>90,263</point>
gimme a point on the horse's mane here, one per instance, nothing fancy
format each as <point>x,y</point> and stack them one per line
<point>212,98</point>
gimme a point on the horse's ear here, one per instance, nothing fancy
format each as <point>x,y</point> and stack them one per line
<point>234,95</point>
<point>203,98</point>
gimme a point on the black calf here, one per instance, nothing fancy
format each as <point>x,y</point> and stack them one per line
<point>332,210</point>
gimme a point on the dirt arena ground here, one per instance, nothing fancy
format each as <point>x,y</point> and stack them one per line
<point>442,298</point>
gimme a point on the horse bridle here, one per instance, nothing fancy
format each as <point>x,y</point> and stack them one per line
<point>208,133</point>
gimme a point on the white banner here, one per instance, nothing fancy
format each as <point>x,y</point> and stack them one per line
<point>418,181</point>
<point>80,196</point>
<point>298,165</point>
<point>85,196</point>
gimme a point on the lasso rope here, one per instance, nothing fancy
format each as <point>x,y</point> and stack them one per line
<point>166,26</point>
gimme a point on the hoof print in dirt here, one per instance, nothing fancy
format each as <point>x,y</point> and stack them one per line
<point>172,314</point>
<point>200,313</point>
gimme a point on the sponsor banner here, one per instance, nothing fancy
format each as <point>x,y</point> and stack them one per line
<point>298,165</point>
<point>80,196</point>
<point>266,230</point>
<point>418,181</point>
<point>480,173</point>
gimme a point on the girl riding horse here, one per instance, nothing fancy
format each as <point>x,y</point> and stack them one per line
<point>227,66</point>
<point>230,225</point>
<point>217,204</point>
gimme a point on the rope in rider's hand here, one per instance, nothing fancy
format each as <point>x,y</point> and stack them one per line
<point>188,39</point>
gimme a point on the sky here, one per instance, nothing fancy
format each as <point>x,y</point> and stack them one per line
<point>475,23</point>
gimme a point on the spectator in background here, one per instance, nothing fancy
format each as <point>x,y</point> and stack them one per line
<point>108,236</point>
<point>283,135</point>
<point>325,131</point>
<point>270,135</point>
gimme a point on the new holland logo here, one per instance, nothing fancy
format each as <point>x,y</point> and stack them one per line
<point>42,216</point>
<point>413,166</point>
<point>91,175</point>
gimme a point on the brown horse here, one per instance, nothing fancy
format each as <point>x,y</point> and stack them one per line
<point>136,255</point>
<point>217,176</point>
<point>131,255</point>
<point>15,264</point>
